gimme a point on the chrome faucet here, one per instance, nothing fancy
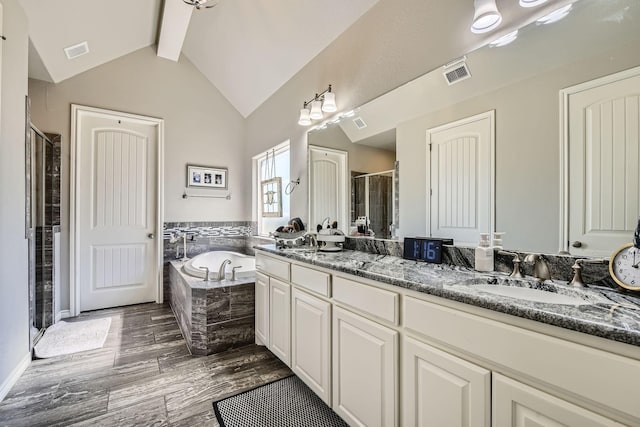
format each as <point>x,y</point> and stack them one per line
<point>206,273</point>
<point>577,270</point>
<point>540,266</point>
<point>222,268</point>
<point>233,272</point>
<point>313,240</point>
<point>516,263</point>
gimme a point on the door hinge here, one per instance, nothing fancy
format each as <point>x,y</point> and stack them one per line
<point>430,147</point>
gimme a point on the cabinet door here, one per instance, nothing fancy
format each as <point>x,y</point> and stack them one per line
<point>280,319</point>
<point>518,405</point>
<point>310,342</point>
<point>440,389</point>
<point>262,309</point>
<point>365,362</point>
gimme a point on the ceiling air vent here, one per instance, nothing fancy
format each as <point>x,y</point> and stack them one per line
<point>456,71</point>
<point>76,50</point>
<point>360,124</point>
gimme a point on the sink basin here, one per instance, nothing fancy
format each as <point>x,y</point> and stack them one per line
<point>548,293</point>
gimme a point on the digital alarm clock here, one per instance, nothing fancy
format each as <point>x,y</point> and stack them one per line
<point>427,249</point>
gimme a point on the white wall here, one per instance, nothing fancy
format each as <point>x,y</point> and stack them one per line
<point>201,127</point>
<point>14,297</point>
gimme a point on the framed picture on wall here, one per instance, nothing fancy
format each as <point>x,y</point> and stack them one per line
<point>207,177</point>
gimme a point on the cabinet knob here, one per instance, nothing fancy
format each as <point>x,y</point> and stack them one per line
<point>577,244</point>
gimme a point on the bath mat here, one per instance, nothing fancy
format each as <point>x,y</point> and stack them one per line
<point>72,337</point>
<point>287,402</point>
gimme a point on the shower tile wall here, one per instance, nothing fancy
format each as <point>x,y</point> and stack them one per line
<point>44,257</point>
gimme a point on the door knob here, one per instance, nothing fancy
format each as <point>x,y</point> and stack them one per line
<point>577,244</point>
<point>151,235</point>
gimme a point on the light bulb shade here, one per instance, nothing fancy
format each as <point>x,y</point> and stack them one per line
<point>316,110</point>
<point>329,104</point>
<point>531,3</point>
<point>486,16</point>
<point>304,119</point>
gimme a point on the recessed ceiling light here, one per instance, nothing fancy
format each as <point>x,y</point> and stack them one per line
<point>504,40</point>
<point>556,15</point>
<point>76,50</point>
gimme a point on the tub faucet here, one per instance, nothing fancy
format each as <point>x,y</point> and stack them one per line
<point>540,267</point>
<point>206,273</point>
<point>222,268</point>
<point>233,272</point>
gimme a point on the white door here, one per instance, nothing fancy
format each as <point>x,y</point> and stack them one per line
<point>604,158</point>
<point>262,309</point>
<point>461,156</point>
<point>518,405</point>
<point>280,319</point>
<point>365,378</point>
<point>311,342</point>
<point>328,189</point>
<point>440,389</point>
<point>116,213</point>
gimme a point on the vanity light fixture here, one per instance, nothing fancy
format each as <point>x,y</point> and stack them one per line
<point>486,16</point>
<point>531,3</point>
<point>504,40</point>
<point>312,109</point>
<point>556,15</point>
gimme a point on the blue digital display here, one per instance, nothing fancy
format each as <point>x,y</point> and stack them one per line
<point>424,249</point>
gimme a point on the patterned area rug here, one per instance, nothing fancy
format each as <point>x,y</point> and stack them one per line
<point>287,402</point>
<point>72,337</point>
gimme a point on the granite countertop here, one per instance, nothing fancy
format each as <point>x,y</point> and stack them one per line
<point>606,312</point>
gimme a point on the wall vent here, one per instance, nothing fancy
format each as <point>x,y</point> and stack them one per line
<point>456,71</point>
<point>360,124</point>
<point>76,50</point>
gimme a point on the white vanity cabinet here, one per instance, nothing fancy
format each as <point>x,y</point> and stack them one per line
<point>365,366</point>
<point>262,309</point>
<point>519,405</point>
<point>439,389</point>
<point>311,342</point>
<point>280,319</point>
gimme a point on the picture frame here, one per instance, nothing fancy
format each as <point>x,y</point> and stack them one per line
<point>207,177</point>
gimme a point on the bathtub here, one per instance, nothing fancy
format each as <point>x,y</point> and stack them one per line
<point>213,260</point>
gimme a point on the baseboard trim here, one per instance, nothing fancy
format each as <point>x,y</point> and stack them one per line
<point>63,314</point>
<point>5,388</point>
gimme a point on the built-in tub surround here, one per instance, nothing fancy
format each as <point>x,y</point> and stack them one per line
<point>214,316</point>
<point>609,313</point>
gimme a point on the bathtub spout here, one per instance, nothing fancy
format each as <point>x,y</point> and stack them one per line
<point>222,268</point>
<point>206,273</point>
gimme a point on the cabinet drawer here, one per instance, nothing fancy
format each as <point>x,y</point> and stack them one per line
<point>369,299</point>
<point>273,267</point>
<point>315,281</point>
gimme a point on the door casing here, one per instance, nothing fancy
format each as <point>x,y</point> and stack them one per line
<point>76,200</point>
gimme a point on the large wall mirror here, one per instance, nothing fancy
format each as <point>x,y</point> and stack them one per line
<point>522,82</point>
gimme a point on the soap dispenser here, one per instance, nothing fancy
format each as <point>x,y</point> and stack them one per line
<point>484,254</point>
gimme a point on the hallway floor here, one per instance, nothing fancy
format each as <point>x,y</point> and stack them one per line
<point>143,376</point>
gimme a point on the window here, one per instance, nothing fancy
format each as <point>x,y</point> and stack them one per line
<point>271,204</point>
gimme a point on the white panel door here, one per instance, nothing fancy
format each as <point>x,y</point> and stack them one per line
<point>461,182</point>
<point>604,159</point>
<point>443,390</point>
<point>280,319</point>
<point>328,198</point>
<point>518,405</point>
<point>365,378</point>
<point>262,309</point>
<point>311,342</point>
<point>116,215</point>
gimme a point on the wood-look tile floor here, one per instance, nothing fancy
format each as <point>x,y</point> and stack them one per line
<point>143,376</point>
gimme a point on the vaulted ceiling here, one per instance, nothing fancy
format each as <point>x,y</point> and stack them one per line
<point>247,49</point>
